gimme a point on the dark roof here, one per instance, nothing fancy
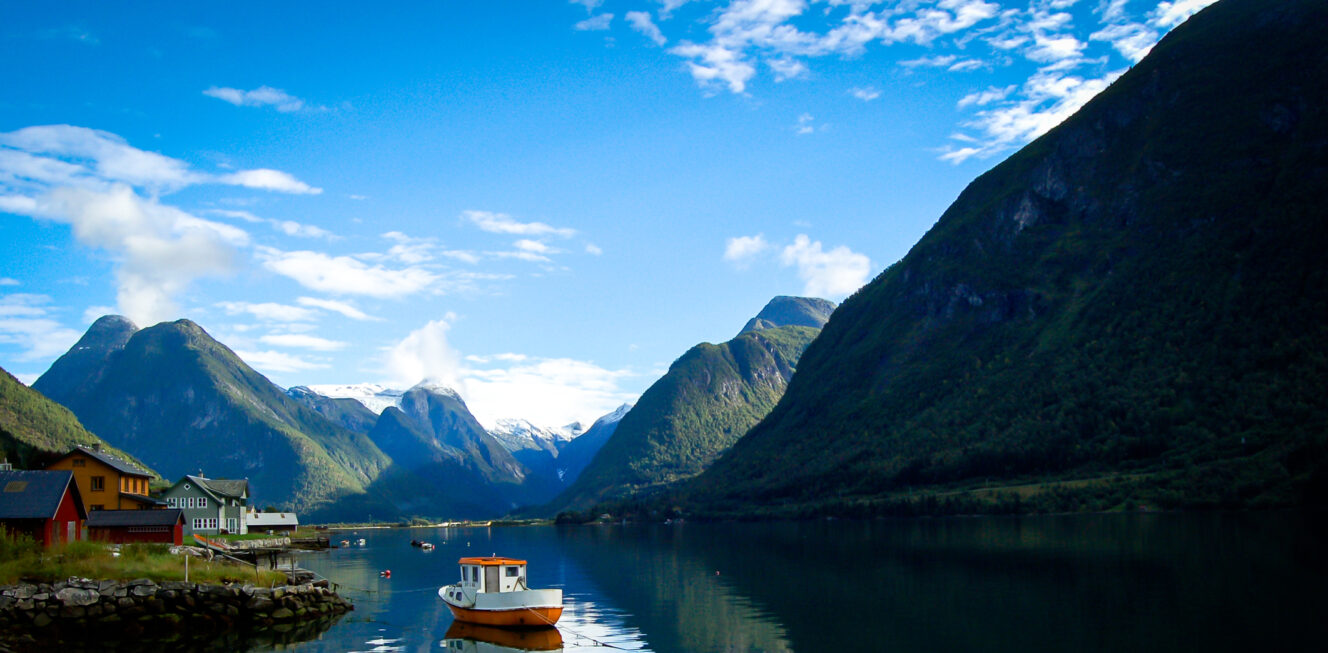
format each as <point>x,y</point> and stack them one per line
<point>142,499</point>
<point>119,464</point>
<point>115,518</point>
<point>34,494</point>
<point>228,488</point>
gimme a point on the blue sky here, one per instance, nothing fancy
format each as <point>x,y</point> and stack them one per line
<point>539,203</point>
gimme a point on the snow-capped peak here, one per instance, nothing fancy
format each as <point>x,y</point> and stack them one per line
<point>375,397</point>
<point>437,388</point>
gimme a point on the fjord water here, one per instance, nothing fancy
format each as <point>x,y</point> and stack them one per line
<point>1113,582</point>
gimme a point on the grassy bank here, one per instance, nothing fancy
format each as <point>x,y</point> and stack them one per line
<point>21,558</point>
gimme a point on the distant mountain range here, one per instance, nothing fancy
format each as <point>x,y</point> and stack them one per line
<point>1132,310</point>
<point>707,400</point>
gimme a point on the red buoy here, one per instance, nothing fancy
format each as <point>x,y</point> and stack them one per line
<point>386,573</point>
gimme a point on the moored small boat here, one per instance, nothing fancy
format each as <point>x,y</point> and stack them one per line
<point>493,592</point>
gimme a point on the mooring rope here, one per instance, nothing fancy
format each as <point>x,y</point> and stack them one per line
<point>586,637</point>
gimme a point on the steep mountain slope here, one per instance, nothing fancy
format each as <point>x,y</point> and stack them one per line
<point>446,464</point>
<point>792,311</point>
<point>183,402</point>
<point>86,360</point>
<point>349,414</point>
<point>579,452</point>
<point>702,405</point>
<point>1142,290</point>
<point>34,430</point>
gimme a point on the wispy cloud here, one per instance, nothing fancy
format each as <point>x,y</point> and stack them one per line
<point>594,23</point>
<point>278,362</point>
<point>864,93</point>
<point>269,311</point>
<point>346,275</point>
<point>302,341</point>
<point>343,308</point>
<point>28,323</point>
<point>501,223</point>
<point>641,22</point>
<point>263,96</point>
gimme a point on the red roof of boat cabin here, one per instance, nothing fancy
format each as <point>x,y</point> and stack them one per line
<point>490,561</point>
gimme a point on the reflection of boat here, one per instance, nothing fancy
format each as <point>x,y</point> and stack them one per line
<point>462,636</point>
<point>360,541</point>
<point>499,596</point>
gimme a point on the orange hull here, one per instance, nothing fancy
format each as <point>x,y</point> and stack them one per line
<point>519,618</point>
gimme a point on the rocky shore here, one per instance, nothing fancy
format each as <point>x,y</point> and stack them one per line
<point>93,610</point>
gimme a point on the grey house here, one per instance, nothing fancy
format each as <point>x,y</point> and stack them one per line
<point>210,505</point>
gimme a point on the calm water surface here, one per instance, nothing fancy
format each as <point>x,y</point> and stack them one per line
<point>1137,582</point>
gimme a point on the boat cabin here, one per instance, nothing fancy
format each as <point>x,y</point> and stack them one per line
<point>492,574</point>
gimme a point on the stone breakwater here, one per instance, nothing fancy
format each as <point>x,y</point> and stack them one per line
<point>143,607</point>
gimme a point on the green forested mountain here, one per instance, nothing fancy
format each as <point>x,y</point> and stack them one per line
<point>344,412</point>
<point>445,463</point>
<point>34,430</point>
<point>184,403</point>
<point>792,311</point>
<point>699,408</point>
<point>1136,302</point>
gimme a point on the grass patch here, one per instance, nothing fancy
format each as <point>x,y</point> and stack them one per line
<point>22,558</point>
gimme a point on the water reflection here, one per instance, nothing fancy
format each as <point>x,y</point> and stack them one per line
<point>1090,583</point>
<point>474,638</point>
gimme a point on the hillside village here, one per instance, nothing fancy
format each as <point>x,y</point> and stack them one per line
<point>90,494</point>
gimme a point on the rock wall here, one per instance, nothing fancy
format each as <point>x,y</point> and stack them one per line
<point>88,608</point>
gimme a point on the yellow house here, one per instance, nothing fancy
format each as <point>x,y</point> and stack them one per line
<point>107,482</point>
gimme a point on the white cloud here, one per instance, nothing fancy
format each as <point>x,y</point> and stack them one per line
<point>425,355</point>
<point>593,249</point>
<point>259,97</point>
<point>91,157</point>
<point>786,68</point>
<point>832,274</point>
<point>864,93</point>
<point>338,307</point>
<point>278,362</point>
<point>1171,14</point>
<point>594,23</point>
<point>741,250</point>
<point>534,246</point>
<point>269,311</point>
<point>546,391</point>
<point>501,223</point>
<point>344,275</point>
<point>935,61</point>
<point>26,323</point>
<point>805,124</point>
<point>302,341</point>
<point>590,5</point>
<point>1048,98</point>
<point>713,64</point>
<point>288,227</point>
<point>267,179</point>
<point>641,22</point>
<point>983,98</point>
<point>6,281</point>
<point>161,248</point>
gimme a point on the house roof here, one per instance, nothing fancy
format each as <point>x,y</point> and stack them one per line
<point>219,488</point>
<point>142,499</point>
<point>31,494</point>
<point>119,518</point>
<point>118,464</point>
<point>260,519</point>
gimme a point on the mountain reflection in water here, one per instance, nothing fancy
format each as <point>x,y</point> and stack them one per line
<point>1138,582</point>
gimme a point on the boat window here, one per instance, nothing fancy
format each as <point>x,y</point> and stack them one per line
<point>513,572</point>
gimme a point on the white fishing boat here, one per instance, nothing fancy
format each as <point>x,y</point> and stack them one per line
<point>493,592</point>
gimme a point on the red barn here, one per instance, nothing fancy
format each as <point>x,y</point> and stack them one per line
<point>121,526</point>
<point>45,505</point>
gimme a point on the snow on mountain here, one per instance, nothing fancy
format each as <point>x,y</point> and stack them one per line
<point>375,397</point>
<point>516,434</point>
